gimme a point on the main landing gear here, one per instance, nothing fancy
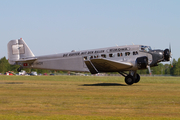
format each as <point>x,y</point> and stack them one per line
<point>131,78</point>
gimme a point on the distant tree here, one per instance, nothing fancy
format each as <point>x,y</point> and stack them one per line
<point>177,68</point>
<point>42,71</point>
<point>158,70</point>
<point>172,69</point>
<point>167,69</point>
<point>14,68</point>
<point>4,65</point>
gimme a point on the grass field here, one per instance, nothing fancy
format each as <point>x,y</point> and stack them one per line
<point>89,98</point>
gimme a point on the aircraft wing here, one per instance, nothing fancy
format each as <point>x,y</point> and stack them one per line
<point>105,65</point>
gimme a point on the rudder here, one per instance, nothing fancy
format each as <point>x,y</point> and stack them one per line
<point>18,49</point>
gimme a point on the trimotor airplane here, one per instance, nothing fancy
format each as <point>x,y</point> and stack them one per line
<point>112,59</point>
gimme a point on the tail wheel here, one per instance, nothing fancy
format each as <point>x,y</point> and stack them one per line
<point>137,78</point>
<point>19,69</point>
<point>129,80</point>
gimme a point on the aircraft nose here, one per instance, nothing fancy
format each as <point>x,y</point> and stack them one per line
<point>167,54</point>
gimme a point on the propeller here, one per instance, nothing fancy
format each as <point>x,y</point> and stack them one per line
<point>170,56</point>
<point>170,47</point>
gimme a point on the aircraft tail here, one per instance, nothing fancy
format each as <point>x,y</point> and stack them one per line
<point>18,49</point>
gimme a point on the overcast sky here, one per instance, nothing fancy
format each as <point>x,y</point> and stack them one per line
<point>56,26</point>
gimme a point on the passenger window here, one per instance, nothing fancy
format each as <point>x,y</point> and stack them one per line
<point>91,57</point>
<point>119,54</point>
<point>127,53</point>
<point>96,56</point>
<point>135,53</point>
<point>111,55</point>
<point>85,58</point>
<point>103,55</point>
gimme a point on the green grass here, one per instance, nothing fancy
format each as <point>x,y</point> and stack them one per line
<point>89,98</point>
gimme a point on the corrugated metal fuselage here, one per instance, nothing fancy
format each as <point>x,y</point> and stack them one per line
<point>75,61</point>
<point>112,59</point>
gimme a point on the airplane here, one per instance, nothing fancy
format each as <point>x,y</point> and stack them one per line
<point>112,59</point>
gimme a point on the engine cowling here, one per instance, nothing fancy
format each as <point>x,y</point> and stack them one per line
<point>167,54</point>
<point>142,62</point>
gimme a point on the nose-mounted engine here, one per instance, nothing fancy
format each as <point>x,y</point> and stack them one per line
<point>160,56</point>
<point>167,55</point>
<point>153,58</point>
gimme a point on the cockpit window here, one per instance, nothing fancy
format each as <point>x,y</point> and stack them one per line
<point>145,48</point>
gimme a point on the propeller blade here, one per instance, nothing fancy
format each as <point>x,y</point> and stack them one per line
<point>170,47</point>
<point>170,57</point>
<point>149,69</point>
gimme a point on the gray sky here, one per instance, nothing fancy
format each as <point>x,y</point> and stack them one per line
<point>55,26</point>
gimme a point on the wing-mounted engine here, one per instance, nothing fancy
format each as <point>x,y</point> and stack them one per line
<point>142,62</point>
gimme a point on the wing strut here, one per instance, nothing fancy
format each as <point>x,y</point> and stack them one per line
<point>91,67</point>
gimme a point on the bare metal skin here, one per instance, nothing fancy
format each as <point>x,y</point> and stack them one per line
<point>112,59</point>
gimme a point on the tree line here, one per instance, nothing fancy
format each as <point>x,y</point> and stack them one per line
<point>162,69</point>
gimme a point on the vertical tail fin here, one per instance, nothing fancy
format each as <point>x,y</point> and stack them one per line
<point>18,49</point>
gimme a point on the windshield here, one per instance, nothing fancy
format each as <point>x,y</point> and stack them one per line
<point>145,48</point>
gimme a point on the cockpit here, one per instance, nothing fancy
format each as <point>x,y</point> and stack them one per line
<point>145,48</point>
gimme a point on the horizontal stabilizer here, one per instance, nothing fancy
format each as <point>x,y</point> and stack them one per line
<point>29,60</point>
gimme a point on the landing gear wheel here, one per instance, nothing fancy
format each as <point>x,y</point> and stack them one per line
<point>137,78</point>
<point>129,80</point>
